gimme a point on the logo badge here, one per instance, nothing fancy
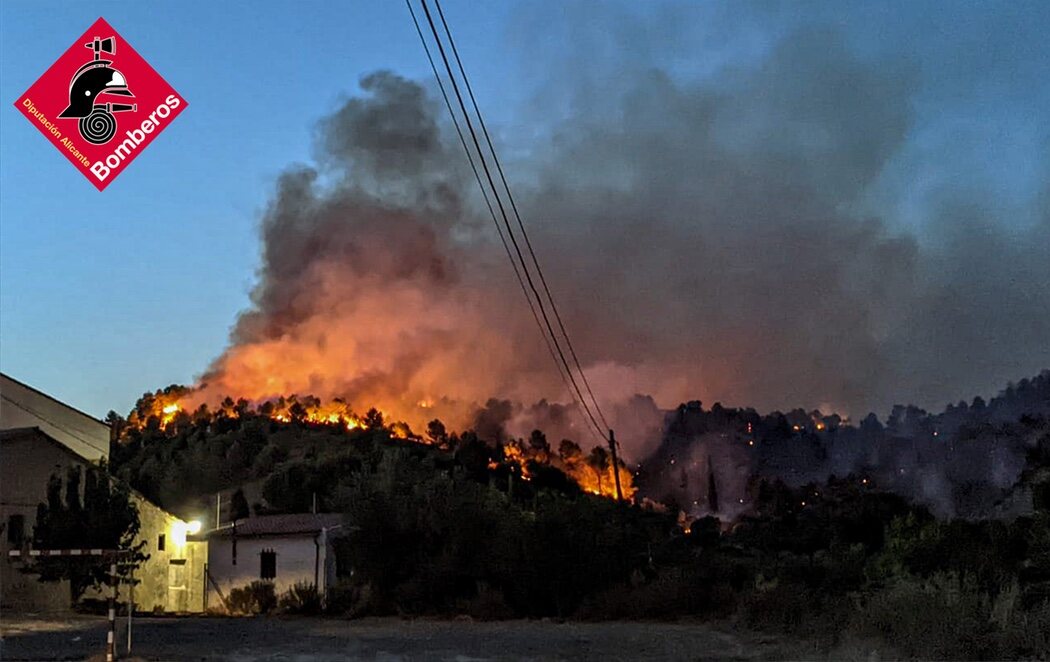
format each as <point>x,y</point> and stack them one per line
<point>100,104</point>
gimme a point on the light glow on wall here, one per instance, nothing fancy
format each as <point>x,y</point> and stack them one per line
<point>180,529</point>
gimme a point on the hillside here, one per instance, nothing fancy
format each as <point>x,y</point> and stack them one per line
<point>454,524</point>
<point>963,461</point>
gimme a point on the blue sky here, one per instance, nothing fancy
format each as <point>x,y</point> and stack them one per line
<point>106,295</point>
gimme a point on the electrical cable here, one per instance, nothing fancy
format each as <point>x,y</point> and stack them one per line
<point>506,221</point>
<point>514,208</point>
<point>488,204</point>
<point>59,426</point>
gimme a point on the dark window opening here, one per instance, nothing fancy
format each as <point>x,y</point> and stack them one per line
<point>268,564</point>
<point>16,529</point>
<point>344,561</point>
<point>160,542</point>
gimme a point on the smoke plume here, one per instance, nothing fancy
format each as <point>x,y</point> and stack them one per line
<point>731,237</point>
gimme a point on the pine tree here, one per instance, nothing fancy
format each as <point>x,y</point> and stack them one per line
<point>99,514</point>
<point>239,505</point>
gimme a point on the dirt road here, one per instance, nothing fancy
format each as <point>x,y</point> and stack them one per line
<point>314,639</point>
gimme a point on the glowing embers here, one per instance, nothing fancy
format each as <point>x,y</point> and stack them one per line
<point>177,408</point>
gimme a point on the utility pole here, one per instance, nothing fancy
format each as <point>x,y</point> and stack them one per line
<point>616,466</point>
<point>131,603</point>
<point>111,635</point>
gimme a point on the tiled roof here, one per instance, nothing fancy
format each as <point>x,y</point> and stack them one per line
<point>280,525</point>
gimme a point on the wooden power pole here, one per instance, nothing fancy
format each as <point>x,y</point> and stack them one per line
<point>616,465</point>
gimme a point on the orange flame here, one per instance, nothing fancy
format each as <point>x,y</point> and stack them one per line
<point>169,408</point>
<point>598,480</point>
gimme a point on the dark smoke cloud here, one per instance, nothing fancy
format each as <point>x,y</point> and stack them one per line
<point>713,237</point>
<point>740,243</point>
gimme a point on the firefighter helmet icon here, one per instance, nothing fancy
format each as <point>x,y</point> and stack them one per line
<point>97,124</point>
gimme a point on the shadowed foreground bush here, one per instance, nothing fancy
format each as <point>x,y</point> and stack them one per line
<point>707,589</point>
<point>255,598</point>
<point>797,610</point>
<point>947,617</point>
<point>301,598</point>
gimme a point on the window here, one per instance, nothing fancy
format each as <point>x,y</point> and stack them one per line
<point>16,529</point>
<point>160,542</point>
<point>268,564</point>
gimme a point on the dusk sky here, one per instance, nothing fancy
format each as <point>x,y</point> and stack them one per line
<point>106,295</point>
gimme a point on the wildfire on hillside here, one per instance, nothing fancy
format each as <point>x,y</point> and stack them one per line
<point>593,473</point>
<point>168,406</point>
<point>166,409</point>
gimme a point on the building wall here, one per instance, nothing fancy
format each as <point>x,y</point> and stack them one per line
<point>26,464</point>
<point>25,407</point>
<point>170,580</point>
<point>298,559</point>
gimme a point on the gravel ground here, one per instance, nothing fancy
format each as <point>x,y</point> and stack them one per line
<point>316,639</point>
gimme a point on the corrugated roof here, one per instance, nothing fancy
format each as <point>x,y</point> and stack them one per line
<point>25,406</point>
<point>280,525</point>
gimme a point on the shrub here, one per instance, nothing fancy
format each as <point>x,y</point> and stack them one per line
<point>255,598</point>
<point>938,618</point>
<point>948,617</point>
<point>1027,634</point>
<point>693,590</point>
<point>792,607</point>
<point>487,605</point>
<point>301,598</point>
<point>341,598</point>
<point>354,599</point>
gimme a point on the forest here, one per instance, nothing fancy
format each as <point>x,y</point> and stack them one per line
<point>797,523</point>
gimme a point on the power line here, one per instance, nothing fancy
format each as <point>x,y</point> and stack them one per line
<point>560,363</point>
<point>514,208</point>
<point>536,265</point>
<point>506,221</point>
<point>562,369</point>
<point>488,204</point>
<point>59,426</point>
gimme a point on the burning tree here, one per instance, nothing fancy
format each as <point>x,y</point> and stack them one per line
<point>166,412</point>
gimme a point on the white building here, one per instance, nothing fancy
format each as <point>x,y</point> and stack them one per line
<point>281,549</point>
<point>40,437</point>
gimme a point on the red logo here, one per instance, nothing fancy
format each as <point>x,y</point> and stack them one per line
<point>100,104</point>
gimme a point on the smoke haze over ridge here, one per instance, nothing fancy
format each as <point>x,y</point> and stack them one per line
<point>746,235</point>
